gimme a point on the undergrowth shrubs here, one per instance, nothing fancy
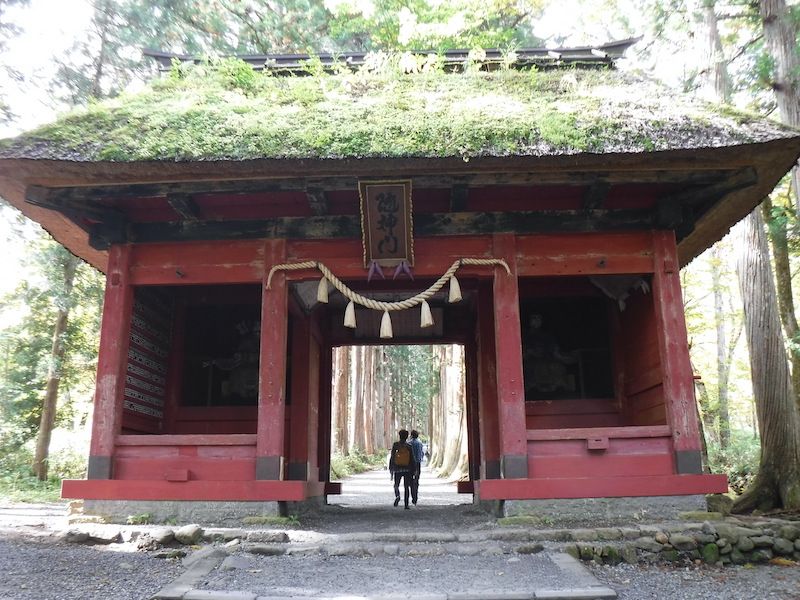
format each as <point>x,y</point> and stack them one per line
<point>18,484</point>
<point>739,461</point>
<point>357,462</point>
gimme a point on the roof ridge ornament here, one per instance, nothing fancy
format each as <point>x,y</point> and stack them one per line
<point>593,55</point>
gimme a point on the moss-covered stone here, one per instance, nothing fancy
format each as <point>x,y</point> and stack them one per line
<point>710,554</point>
<point>611,555</point>
<point>530,549</point>
<point>671,555</point>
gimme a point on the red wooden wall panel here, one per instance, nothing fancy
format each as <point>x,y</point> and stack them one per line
<point>642,362</point>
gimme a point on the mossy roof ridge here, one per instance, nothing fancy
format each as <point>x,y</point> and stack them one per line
<point>209,113</point>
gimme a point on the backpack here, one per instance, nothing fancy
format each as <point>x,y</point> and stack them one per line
<point>402,456</point>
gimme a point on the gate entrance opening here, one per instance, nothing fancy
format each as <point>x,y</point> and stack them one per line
<point>378,390</point>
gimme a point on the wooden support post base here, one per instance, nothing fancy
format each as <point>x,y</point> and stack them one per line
<point>297,471</point>
<point>514,466</point>
<point>491,469</point>
<point>99,467</point>
<point>688,462</point>
<point>269,467</point>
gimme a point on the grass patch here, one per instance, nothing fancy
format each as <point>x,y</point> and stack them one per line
<point>143,519</point>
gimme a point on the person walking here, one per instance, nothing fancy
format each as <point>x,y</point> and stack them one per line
<point>419,456</point>
<point>402,466</point>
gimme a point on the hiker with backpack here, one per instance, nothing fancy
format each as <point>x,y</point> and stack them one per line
<point>402,465</point>
<point>419,456</point>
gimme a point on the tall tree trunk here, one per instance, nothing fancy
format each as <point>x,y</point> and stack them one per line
<point>780,34</point>
<point>358,399</point>
<point>718,84</point>
<point>717,80</point>
<point>704,417</point>
<point>341,373</point>
<point>783,276</point>
<point>777,483</point>
<point>57,351</point>
<point>723,363</point>
<point>369,399</point>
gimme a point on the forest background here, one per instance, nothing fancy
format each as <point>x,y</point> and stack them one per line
<point>56,55</point>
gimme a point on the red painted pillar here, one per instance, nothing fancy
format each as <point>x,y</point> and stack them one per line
<point>673,344</point>
<point>272,367</point>
<point>298,466</point>
<point>487,384</point>
<point>471,390</point>
<point>508,348</point>
<point>324,399</point>
<point>313,412</point>
<point>112,363</point>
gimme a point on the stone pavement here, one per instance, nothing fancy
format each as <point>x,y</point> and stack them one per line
<point>361,546</point>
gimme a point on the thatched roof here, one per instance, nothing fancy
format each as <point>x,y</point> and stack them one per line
<point>229,112</point>
<point>227,128</point>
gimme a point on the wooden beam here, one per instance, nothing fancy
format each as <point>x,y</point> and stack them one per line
<point>349,226</point>
<point>317,200</point>
<point>185,206</point>
<point>459,194</point>
<point>596,194</point>
<point>253,186</point>
<point>601,487</point>
<point>736,180</point>
<point>160,489</point>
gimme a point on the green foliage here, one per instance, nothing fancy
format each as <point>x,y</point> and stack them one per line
<point>739,462</point>
<point>17,484</point>
<point>291,520</point>
<point>355,462</point>
<point>142,519</point>
<point>26,342</point>
<point>414,379</point>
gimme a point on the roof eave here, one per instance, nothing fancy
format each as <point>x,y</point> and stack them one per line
<point>771,160</point>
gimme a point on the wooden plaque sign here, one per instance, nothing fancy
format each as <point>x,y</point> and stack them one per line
<point>386,222</point>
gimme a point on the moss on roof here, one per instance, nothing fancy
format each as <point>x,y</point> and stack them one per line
<point>227,111</point>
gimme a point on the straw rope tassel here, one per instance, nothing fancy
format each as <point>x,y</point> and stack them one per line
<point>350,315</point>
<point>322,291</point>
<point>425,316</point>
<point>386,325</point>
<point>455,290</point>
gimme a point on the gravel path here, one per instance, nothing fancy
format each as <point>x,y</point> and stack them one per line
<point>35,564</point>
<point>43,569</point>
<point>762,582</point>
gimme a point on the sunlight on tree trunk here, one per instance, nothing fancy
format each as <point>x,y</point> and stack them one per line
<point>723,359</point>
<point>780,34</point>
<point>449,429</point>
<point>777,483</point>
<point>50,401</point>
<point>783,276</point>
